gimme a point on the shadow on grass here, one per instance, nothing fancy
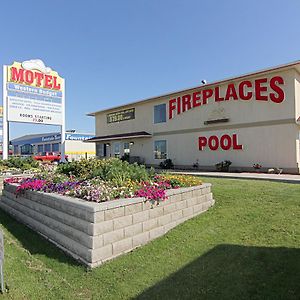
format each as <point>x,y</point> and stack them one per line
<point>234,272</point>
<point>32,241</point>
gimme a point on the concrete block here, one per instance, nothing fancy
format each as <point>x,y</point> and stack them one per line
<point>187,195</point>
<point>209,197</point>
<point>181,205</point>
<point>196,193</point>
<point>140,239</point>
<point>121,246</point>
<point>133,230</point>
<point>114,213</point>
<point>191,202</point>
<point>102,254</point>
<point>197,208</point>
<point>176,215</point>
<point>113,236</point>
<point>163,220</point>
<point>150,224</point>
<point>206,205</point>
<point>122,222</point>
<point>175,198</point>
<point>101,228</point>
<point>156,232</point>
<point>182,220</point>
<point>170,226</point>
<point>97,242</point>
<point>149,205</point>
<point>156,212</point>
<point>187,212</point>
<point>169,208</point>
<point>201,199</point>
<point>141,216</point>
<point>205,190</point>
<point>133,208</point>
<point>98,216</point>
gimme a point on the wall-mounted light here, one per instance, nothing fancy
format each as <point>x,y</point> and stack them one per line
<point>107,144</point>
<point>131,143</point>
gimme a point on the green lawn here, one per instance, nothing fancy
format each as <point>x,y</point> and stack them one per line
<point>246,247</point>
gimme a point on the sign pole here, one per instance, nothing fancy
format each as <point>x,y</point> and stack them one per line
<point>1,261</point>
<point>63,125</point>
<point>2,279</point>
<point>5,122</point>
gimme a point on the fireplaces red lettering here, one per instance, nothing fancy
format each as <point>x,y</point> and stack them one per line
<point>262,89</point>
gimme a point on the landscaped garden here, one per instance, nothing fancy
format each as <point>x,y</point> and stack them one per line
<point>102,180</point>
<point>17,165</point>
<point>245,247</point>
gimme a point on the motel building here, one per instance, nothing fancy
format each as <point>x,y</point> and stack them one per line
<point>249,119</point>
<point>75,147</point>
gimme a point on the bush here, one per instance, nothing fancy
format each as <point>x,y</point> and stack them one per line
<point>167,164</point>
<point>112,169</point>
<point>20,163</point>
<point>223,166</point>
<point>125,157</point>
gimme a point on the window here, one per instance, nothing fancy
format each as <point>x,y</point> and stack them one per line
<point>126,148</point>
<point>159,113</point>
<point>117,148</point>
<point>55,147</point>
<point>160,149</point>
<point>16,149</point>
<point>26,149</point>
<point>47,147</point>
<point>40,148</point>
<point>100,150</point>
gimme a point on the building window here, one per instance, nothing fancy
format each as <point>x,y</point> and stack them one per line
<point>26,149</point>
<point>40,148</point>
<point>126,148</point>
<point>55,147</point>
<point>100,150</point>
<point>47,147</point>
<point>16,149</point>
<point>117,148</point>
<point>160,149</point>
<point>159,113</point>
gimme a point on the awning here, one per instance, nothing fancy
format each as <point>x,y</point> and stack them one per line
<point>121,136</point>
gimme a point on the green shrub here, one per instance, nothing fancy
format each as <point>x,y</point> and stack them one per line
<point>112,169</point>
<point>167,164</point>
<point>20,163</point>
<point>223,166</point>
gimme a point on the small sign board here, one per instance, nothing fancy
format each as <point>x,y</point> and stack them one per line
<point>122,115</point>
<point>1,261</point>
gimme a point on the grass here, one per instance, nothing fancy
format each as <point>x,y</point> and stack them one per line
<point>246,247</point>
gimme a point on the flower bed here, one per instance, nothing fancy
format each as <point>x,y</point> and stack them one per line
<point>71,206</point>
<point>95,232</point>
<point>111,179</point>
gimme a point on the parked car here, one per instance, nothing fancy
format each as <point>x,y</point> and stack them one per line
<point>49,156</point>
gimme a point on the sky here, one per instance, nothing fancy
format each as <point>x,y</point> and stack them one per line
<point>119,51</point>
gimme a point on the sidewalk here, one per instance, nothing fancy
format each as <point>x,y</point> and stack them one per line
<point>258,176</point>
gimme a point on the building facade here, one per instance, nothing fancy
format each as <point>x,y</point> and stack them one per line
<point>250,119</point>
<point>75,147</point>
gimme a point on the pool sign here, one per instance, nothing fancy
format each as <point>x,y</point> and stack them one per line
<point>1,261</point>
<point>32,93</point>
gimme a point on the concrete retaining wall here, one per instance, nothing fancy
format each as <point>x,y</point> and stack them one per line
<point>96,232</point>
